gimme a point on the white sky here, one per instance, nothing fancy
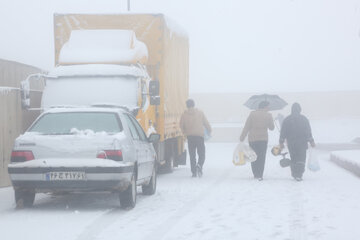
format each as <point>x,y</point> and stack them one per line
<point>235,45</point>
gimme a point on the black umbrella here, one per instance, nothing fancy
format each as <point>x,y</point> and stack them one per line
<point>275,102</point>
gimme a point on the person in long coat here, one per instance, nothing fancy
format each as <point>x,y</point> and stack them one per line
<point>296,131</point>
<point>193,124</point>
<point>256,127</point>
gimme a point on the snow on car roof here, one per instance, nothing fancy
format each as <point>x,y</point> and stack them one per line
<point>83,109</point>
<point>97,70</point>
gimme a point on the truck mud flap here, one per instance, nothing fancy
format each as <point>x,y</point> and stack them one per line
<point>181,159</point>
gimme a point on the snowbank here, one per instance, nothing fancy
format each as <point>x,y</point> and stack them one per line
<point>350,160</point>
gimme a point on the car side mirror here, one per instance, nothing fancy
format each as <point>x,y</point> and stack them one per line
<point>154,88</point>
<point>155,100</point>
<point>154,138</point>
<point>25,89</point>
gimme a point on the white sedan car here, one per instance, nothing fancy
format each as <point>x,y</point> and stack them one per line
<point>83,149</point>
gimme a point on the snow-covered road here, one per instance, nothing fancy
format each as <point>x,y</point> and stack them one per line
<point>227,203</point>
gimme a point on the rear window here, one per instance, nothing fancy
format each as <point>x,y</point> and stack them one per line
<point>66,123</point>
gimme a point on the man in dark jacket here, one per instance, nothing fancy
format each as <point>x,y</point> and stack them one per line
<point>296,131</point>
<point>193,124</point>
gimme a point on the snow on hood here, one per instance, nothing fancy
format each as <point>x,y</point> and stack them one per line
<point>89,89</point>
<point>96,70</point>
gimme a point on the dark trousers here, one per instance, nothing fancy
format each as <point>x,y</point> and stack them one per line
<point>196,144</point>
<point>257,166</point>
<point>298,158</point>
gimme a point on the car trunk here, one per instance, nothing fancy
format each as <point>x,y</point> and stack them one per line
<point>67,146</point>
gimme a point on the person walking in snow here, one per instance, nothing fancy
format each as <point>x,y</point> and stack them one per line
<point>256,127</point>
<point>296,131</point>
<point>193,124</point>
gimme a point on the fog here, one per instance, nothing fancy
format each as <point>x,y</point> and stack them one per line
<point>235,46</point>
<point>307,51</point>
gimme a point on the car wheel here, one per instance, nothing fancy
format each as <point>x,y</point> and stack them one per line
<point>24,198</point>
<point>128,197</point>
<point>150,189</point>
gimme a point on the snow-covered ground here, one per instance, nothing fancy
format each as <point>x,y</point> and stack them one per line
<point>227,203</point>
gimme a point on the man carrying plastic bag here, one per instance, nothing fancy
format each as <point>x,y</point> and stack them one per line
<point>296,131</point>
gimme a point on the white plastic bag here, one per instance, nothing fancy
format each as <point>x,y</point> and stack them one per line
<point>207,136</point>
<point>243,153</point>
<point>313,162</point>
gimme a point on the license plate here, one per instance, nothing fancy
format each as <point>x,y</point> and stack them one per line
<point>63,176</point>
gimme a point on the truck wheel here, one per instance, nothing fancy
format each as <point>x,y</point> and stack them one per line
<point>24,198</point>
<point>169,165</point>
<point>128,197</point>
<point>150,189</point>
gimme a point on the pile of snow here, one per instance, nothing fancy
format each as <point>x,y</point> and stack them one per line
<point>103,46</point>
<point>350,156</point>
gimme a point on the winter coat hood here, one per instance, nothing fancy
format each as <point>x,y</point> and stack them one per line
<point>296,108</point>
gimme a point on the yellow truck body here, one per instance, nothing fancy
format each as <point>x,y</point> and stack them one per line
<point>168,63</point>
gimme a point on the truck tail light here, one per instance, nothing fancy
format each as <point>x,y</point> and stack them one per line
<point>115,155</point>
<point>21,156</point>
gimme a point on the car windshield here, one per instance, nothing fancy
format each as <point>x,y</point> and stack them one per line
<point>71,122</point>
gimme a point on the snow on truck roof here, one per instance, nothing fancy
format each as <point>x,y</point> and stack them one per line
<point>103,46</point>
<point>97,70</point>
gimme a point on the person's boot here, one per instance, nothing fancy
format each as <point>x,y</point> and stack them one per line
<point>199,170</point>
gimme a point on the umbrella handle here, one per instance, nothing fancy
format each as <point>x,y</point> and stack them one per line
<point>277,127</point>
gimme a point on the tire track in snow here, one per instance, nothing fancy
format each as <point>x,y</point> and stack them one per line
<point>168,224</point>
<point>297,216</point>
<point>100,223</point>
<point>92,231</point>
